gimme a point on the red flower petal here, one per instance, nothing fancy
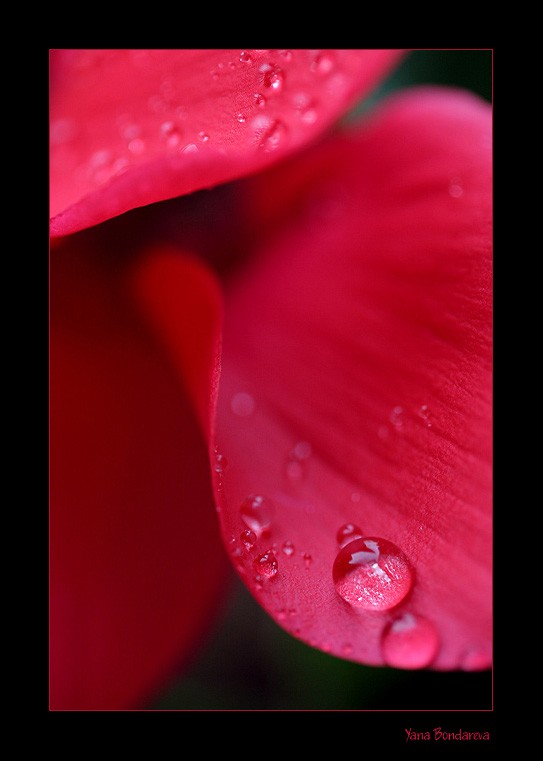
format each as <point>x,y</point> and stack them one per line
<point>356,389</point>
<point>132,127</point>
<point>132,515</point>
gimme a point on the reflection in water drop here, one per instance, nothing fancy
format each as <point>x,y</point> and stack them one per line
<point>372,573</point>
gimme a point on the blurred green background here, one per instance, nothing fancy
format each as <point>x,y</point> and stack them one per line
<point>249,662</point>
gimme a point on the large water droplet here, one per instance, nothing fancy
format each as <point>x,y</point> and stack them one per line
<point>257,512</point>
<point>410,642</point>
<point>372,573</point>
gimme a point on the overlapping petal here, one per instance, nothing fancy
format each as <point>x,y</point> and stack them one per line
<point>132,515</point>
<point>133,127</point>
<point>356,386</point>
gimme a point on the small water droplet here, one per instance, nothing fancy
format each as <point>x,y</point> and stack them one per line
<point>221,463</point>
<point>302,450</point>
<point>136,146</point>
<point>410,642</point>
<point>307,559</point>
<point>455,188</point>
<point>266,564</point>
<point>245,57</point>
<point>475,659</point>
<point>270,135</point>
<point>169,133</point>
<point>240,118</point>
<point>272,76</point>
<point>260,100</point>
<point>294,470</point>
<point>396,416</point>
<point>424,414</point>
<point>203,136</point>
<point>242,404</point>
<point>372,573</point>
<point>248,537</point>
<point>257,512</point>
<point>347,533</point>
<point>288,548</point>
<point>323,62</point>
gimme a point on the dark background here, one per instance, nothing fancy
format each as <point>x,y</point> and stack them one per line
<point>250,663</point>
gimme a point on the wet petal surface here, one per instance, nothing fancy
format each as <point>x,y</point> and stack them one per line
<point>361,335</point>
<point>133,127</point>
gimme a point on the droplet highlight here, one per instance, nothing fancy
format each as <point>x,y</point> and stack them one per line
<point>410,642</point>
<point>257,512</point>
<point>372,573</point>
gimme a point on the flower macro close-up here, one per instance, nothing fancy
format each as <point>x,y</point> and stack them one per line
<point>270,380</point>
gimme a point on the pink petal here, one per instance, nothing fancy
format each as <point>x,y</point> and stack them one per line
<point>356,389</point>
<point>137,563</point>
<point>132,127</point>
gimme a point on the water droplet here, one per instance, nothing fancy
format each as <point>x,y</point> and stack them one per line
<point>455,188</point>
<point>242,404</point>
<point>294,470</point>
<point>410,642</point>
<point>270,134</point>
<point>475,659</point>
<point>129,130</point>
<point>396,416</point>
<point>257,512</point>
<point>302,450</point>
<point>203,136</point>
<point>248,537</point>
<point>136,146</point>
<point>372,573</point>
<point>273,77</point>
<point>240,118</point>
<point>307,559</point>
<point>260,100</point>
<point>347,533</point>
<point>221,463</point>
<point>424,414</point>
<point>170,134</point>
<point>266,564</point>
<point>288,548</point>
<point>323,63</point>
<point>245,57</point>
